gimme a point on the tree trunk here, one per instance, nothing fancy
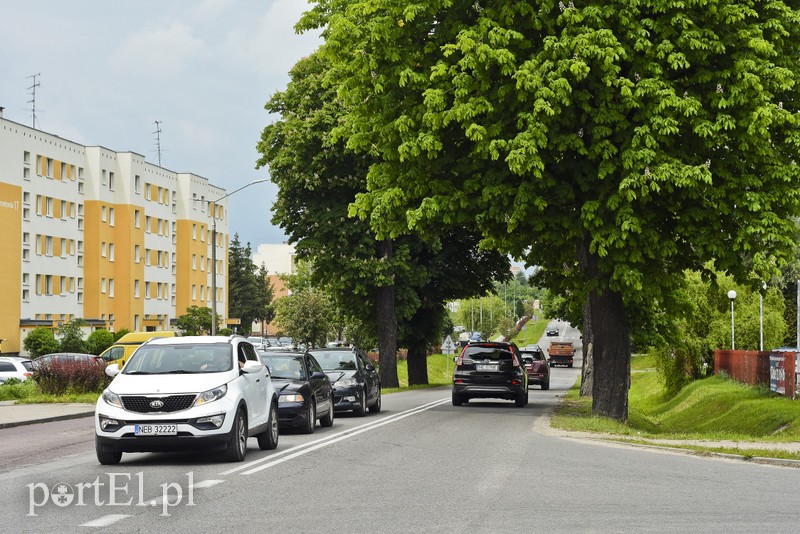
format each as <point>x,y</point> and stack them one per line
<point>417,361</point>
<point>611,355</point>
<point>386,325</point>
<point>607,348</point>
<point>587,371</point>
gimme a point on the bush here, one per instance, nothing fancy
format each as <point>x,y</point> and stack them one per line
<point>225,332</point>
<point>40,341</point>
<point>121,333</point>
<point>98,341</point>
<point>15,389</point>
<point>58,378</point>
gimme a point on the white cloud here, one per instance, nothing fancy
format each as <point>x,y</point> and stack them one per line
<point>164,51</point>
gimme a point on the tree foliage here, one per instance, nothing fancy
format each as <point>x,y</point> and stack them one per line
<point>614,143</point>
<point>196,321</point>
<point>40,341</point>
<point>98,341</point>
<point>249,291</point>
<point>70,336</point>
<point>305,316</point>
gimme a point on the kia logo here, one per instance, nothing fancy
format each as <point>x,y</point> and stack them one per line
<point>157,404</point>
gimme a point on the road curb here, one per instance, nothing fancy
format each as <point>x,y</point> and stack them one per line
<point>64,417</point>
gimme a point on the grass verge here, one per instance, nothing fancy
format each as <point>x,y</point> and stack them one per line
<point>711,409</point>
<point>27,392</point>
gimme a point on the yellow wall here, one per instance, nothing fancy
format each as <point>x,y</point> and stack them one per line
<point>10,265</point>
<point>126,236</point>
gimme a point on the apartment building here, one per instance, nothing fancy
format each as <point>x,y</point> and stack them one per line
<point>100,235</point>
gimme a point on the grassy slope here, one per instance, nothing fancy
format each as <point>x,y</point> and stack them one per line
<point>714,408</point>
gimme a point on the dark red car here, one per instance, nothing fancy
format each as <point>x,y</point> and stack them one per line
<point>536,365</point>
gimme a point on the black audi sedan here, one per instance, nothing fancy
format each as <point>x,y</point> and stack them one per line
<point>304,390</point>
<point>356,384</point>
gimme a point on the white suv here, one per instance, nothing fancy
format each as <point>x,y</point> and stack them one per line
<point>187,392</point>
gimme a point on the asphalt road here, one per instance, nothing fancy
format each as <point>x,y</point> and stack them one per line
<point>421,465</point>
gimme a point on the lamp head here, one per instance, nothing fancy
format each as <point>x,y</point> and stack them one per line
<point>731,294</point>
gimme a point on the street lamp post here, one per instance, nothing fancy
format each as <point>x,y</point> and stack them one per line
<point>214,252</point>
<point>732,296</point>
<point>761,317</point>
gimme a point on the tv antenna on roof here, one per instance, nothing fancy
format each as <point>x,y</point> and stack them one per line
<point>158,141</point>
<point>32,89</point>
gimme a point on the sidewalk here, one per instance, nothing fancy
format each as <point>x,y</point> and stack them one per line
<point>13,414</point>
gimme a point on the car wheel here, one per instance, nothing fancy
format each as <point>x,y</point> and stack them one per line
<point>268,439</point>
<point>361,410</point>
<point>106,457</point>
<point>457,400</point>
<point>521,400</point>
<point>311,418</point>
<point>375,408</point>
<point>327,419</point>
<point>237,443</point>
<point>546,384</point>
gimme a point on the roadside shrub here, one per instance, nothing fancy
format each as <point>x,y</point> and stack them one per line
<point>121,333</point>
<point>17,389</point>
<point>58,378</point>
<point>98,341</point>
<point>225,332</point>
<point>40,341</point>
<point>11,381</point>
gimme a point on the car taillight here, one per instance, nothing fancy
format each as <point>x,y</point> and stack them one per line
<point>460,360</point>
<point>514,360</point>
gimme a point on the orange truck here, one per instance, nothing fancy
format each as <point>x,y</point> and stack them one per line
<point>561,353</point>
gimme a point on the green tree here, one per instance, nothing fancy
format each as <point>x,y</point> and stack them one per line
<point>305,316</point>
<point>196,321</point>
<point>615,144</point>
<point>98,341</point>
<point>40,341</point>
<point>70,336</point>
<point>249,291</point>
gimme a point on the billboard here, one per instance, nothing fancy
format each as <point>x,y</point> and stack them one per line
<point>777,373</point>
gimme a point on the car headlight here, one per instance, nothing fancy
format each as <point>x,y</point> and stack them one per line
<point>347,382</point>
<point>291,397</point>
<point>109,397</point>
<point>211,395</point>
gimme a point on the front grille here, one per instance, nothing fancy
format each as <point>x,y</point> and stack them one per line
<point>142,404</point>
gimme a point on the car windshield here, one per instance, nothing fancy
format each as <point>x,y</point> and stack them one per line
<point>494,354</point>
<point>336,360</point>
<point>26,364</point>
<point>533,355</point>
<point>180,359</point>
<point>284,367</point>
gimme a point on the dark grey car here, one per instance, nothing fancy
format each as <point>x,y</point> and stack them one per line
<point>356,384</point>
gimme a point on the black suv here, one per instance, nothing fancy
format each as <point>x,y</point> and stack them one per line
<point>490,370</point>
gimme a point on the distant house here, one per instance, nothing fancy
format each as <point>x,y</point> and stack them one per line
<point>279,260</point>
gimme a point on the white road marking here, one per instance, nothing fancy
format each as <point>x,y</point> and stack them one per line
<point>105,520</point>
<point>318,442</point>
<point>346,435</point>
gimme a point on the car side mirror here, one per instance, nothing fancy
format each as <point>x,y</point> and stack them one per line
<point>369,367</point>
<point>252,366</point>
<point>112,370</point>
<point>318,375</point>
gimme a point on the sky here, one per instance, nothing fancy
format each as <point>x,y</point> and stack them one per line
<point>204,69</point>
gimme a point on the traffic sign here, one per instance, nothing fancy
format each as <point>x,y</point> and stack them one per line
<point>448,347</point>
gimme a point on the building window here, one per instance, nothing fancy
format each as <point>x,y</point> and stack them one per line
<point>80,224</point>
<point>26,278</point>
<point>49,168</point>
<point>110,287</point>
<point>26,254</point>
<point>147,290</point>
<point>136,326</point>
<point>80,188</point>
<point>80,247</point>
<point>111,216</point>
<point>136,289</point>
<point>146,191</point>
<point>194,292</point>
<point>63,282</point>
<point>103,249</point>
<point>49,207</point>
<point>147,224</point>
<point>26,157</point>
<point>103,214</point>
<point>147,256</point>
<point>80,261</point>
<point>111,181</point>
<point>194,262</point>
<point>111,252</point>
<point>137,184</point>
<point>48,247</point>
<point>64,213</point>
<point>26,173</point>
<point>80,283</point>
<point>104,177</point>
<point>26,238</point>
<point>26,214</point>
<point>48,284</point>
<point>63,247</point>
<point>80,173</point>
<point>26,198</point>
<point>102,285</point>
<point>194,231</point>
<point>137,218</point>
<point>137,253</point>
<point>80,297</point>
<point>26,295</point>
<point>80,210</point>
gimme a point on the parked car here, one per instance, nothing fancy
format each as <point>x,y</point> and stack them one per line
<point>536,365</point>
<point>490,370</point>
<point>14,367</point>
<point>64,357</point>
<point>551,331</point>
<point>356,384</point>
<point>258,342</point>
<point>201,392</point>
<point>122,348</point>
<point>304,391</point>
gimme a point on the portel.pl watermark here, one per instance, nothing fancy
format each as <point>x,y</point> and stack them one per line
<point>111,489</point>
